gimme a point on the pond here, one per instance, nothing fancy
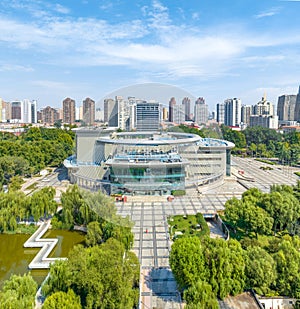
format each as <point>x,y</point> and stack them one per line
<point>14,259</point>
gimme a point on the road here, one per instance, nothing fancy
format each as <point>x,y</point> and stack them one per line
<point>265,178</point>
<point>55,179</point>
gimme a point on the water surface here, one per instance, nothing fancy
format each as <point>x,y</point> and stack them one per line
<point>14,259</point>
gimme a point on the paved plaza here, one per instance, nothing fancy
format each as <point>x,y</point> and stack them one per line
<point>152,243</point>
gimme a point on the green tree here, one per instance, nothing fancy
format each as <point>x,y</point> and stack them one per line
<point>226,264</point>
<point>94,234</point>
<point>284,207</point>
<point>33,134</point>
<point>253,149</point>
<point>63,300</point>
<point>15,183</point>
<point>260,270</point>
<point>200,296</point>
<point>288,269</point>
<point>104,276</point>
<point>187,262</point>
<point>236,137</point>
<point>247,216</point>
<point>18,292</point>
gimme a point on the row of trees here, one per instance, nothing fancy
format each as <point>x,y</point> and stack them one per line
<point>104,274</point>
<point>207,269</point>
<point>32,151</point>
<point>101,274</point>
<point>255,141</point>
<point>95,211</point>
<point>265,213</point>
<point>15,208</point>
<point>264,142</point>
<point>18,292</point>
<point>266,257</point>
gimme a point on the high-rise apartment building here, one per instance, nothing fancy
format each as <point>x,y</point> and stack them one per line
<point>123,112</point>
<point>131,124</point>
<point>165,114</point>
<point>29,111</point>
<point>220,113</point>
<point>286,107</point>
<point>263,107</point>
<point>99,114</point>
<point>297,107</point>
<point>7,106</point>
<point>186,102</point>
<point>49,115</point>
<point>111,112</point>
<point>147,116</point>
<point>232,112</point>
<point>172,103</point>
<point>246,112</point>
<point>69,111</point>
<point>178,114</point>
<point>39,116</point>
<point>17,111</point>
<point>88,111</point>
<point>201,111</point>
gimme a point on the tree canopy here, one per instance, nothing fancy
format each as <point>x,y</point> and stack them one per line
<point>213,263</point>
<point>266,258</point>
<point>18,207</point>
<point>96,211</point>
<point>104,276</point>
<point>35,149</point>
<point>18,292</point>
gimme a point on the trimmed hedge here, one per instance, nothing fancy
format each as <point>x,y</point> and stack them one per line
<point>265,161</point>
<point>204,227</point>
<point>178,192</point>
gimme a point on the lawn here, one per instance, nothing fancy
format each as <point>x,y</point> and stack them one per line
<point>187,225</point>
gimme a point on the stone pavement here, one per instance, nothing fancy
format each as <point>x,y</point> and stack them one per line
<point>152,242</point>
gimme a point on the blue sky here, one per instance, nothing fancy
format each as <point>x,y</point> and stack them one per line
<point>217,49</point>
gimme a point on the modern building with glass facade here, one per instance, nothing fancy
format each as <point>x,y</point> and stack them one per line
<point>147,163</point>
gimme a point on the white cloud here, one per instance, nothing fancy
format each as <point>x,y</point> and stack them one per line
<point>264,59</point>
<point>48,84</point>
<point>156,44</point>
<point>269,13</point>
<point>61,9</point>
<point>15,67</point>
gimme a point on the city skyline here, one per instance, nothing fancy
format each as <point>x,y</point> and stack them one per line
<point>214,49</point>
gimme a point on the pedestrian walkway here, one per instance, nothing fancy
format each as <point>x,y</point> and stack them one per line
<point>41,260</point>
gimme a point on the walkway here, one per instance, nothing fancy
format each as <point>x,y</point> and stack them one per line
<point>152,242</point>
<point>40,261</point>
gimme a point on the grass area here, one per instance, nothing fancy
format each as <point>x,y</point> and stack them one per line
<point>265,161</point>
<point>297,173</point>
<point>188,225</point>
<point>32,186</point>
<point>178,192</point>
